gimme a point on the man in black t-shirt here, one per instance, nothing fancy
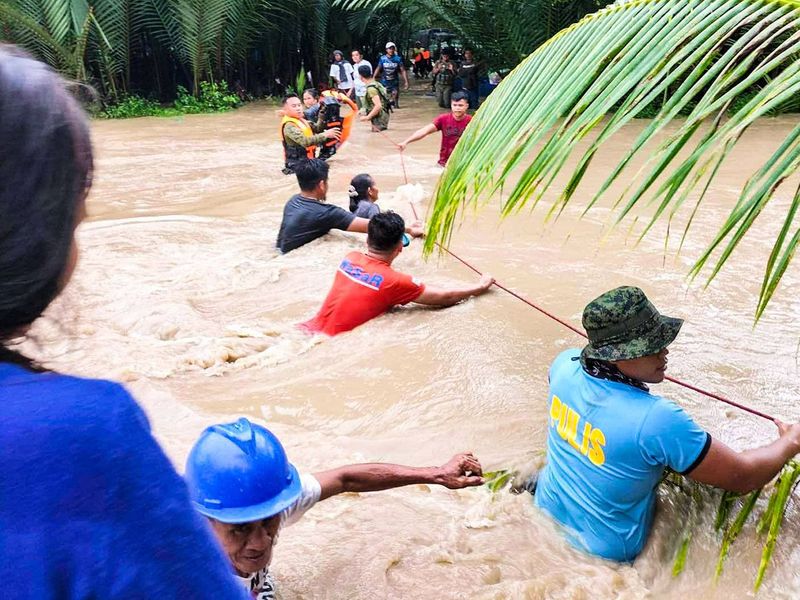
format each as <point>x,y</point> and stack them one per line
<point>306,216</point>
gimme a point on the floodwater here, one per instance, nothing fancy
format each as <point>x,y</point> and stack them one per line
<point>181,294</point>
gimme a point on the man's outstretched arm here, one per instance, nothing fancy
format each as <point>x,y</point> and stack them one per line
<point>463,470</point>
<point>417,135</point>
<point>434,296</point>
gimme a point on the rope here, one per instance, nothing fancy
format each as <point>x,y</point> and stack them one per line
<point>402,160</point>
<point>689,386</point>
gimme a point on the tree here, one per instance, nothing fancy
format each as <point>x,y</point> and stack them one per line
<point>502,31</point>
<point>722,63</point>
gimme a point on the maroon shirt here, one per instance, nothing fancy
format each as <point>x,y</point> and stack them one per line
<point>451,133</point>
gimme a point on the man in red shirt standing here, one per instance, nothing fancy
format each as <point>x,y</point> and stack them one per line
<point>451,125</point>
<point>366,286</point>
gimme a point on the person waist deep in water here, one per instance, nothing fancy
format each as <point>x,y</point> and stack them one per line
<point>241,480</point>
<point>90,507</point>
<point>366,286</point>
<point>610,440</point>
<point>307,216</point>
<point>363,194</point>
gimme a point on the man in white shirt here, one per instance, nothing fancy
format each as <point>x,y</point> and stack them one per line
<point>342,73</point>
<point>240,479</point>
<point>360,86</point>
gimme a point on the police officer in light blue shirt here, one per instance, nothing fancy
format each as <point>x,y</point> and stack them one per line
<point>610,439</point>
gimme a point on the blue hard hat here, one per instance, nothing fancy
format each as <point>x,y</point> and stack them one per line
<point>238,472</point>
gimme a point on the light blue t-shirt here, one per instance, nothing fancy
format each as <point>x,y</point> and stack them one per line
<point>607,446</point>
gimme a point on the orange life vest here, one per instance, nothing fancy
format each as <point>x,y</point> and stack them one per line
<point>346,122</point>
<point>293,153</point>
<point>426,54</point>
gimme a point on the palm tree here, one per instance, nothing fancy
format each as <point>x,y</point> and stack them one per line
<point>56,30</point>
<point>721,63</point>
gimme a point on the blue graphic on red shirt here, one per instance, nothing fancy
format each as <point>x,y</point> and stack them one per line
<point>360,276</point>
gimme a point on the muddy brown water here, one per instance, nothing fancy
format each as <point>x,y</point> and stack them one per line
<point>181,295</point>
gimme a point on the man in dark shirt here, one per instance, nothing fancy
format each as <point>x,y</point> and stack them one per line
<point>306,216</point>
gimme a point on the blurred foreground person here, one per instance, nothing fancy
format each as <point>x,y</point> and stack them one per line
<point>239,477</point>
<point>90,507</point>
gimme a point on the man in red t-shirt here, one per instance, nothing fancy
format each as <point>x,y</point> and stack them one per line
<point>451,125</point>
<point>366,286</point>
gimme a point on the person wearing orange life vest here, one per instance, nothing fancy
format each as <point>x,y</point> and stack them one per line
<point>301,138</point>
<point>333,100</point>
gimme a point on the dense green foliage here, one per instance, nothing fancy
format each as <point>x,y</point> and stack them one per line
<point>135,106</point>
<point>213,97</point>
<point>150,47</point>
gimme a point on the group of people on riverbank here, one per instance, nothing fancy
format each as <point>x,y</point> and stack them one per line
<point>90,505</point>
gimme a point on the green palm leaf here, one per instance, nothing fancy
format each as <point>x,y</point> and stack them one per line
<point>698,58</point>
<point>27,31</point>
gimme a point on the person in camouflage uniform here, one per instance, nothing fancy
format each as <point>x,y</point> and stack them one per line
<point>376,101</point>
<point>444,74</point>
<point>610,440</point>
<point>300,138</point>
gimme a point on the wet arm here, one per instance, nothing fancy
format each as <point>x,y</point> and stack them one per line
<point>404,73</point>
<point>435,296</point>
<point>420,133</point>
<point>293,133</point>
<point>377,106</point>
<point>360,225</point>
<point>749,470</point>
<point>462,470</point>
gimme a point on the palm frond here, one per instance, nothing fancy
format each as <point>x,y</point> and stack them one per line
<point>28,31</point>
<point>699,57</point>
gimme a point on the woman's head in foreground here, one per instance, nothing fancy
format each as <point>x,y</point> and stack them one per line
<point>45,174</point>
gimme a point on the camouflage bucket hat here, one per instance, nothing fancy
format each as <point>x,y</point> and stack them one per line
<point>623,324</point>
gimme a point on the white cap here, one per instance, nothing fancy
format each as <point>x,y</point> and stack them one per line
<point>390,45</point>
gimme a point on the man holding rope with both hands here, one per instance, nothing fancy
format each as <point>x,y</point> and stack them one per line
<point>610,439</point>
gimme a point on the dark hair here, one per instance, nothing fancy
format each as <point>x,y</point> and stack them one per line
<point>358,189</point>
<point>447,51</point>
<point>459,95</point>
<point>313,91</point>
<point>289,96</point>
<point>45,172</point>
<point>385,231</point>
<point>311,172</point>
<point>365,71</point>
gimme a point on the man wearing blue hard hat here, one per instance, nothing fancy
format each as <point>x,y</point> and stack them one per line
<point>239,477</point>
